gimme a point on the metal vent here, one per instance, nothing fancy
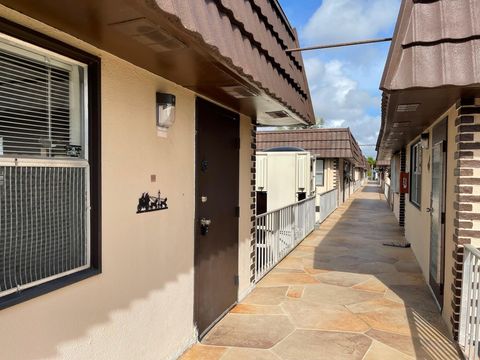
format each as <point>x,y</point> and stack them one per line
<point>402,124</point>
<point>149,34</point>
<point>277,114</point>
<point>239,92</point>
<point>407,107</point>
<point>43,223</point>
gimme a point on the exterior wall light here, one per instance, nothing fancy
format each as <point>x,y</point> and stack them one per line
<point>165,113</point>
<point>424,139</point>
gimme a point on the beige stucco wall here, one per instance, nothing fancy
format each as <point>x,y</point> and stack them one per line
<point>417,221</point>
<point>141,306</point>
<point>395,204</point>
<point>329,172</point>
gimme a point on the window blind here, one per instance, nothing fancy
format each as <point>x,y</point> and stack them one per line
<point>34,107</point>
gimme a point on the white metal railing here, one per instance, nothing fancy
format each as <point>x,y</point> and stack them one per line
<point>358,184</point>
<point>469,331</point>
<point>278,232</point>
<point>327,203</point>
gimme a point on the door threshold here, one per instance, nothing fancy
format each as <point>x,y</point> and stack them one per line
<point>212,325</point>
<point>440,307</point>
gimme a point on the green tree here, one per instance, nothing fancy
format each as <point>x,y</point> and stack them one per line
<point>319,123</point>
<point>372,162</point>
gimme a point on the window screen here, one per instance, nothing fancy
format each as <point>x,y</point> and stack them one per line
<point>44,171</point>
<point>319,172</point>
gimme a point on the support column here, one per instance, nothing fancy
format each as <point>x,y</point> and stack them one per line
<point>335,174</point>
<point>467,189</point>
<point>340,184</point>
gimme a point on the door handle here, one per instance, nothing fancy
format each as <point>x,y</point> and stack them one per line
<point>429,210</point>
<point>204,226</point>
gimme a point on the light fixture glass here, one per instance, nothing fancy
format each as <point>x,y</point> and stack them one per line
<point>165,113</point>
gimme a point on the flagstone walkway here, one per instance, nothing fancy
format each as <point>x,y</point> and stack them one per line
<point>340,294</point>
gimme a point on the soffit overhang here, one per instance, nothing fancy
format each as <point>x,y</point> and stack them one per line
<point>399,128</point>
<point>432,62</point>
<point>219,49</point>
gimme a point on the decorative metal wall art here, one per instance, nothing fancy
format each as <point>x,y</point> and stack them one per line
<point>147,203</point>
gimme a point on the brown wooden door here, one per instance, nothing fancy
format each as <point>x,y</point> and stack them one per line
<point>217,182</point>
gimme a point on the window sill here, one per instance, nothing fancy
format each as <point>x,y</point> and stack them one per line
<point>33,292</point>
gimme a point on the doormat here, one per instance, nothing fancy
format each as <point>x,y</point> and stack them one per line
<point>397,244</point>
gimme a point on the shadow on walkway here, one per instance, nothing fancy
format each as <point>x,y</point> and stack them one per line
<point>340,294</point>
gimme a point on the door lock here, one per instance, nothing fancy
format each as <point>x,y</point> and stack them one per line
<point>204,226</point>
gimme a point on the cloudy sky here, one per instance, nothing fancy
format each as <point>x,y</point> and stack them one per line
<point>344,82</point>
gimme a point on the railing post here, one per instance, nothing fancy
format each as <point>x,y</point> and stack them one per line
<point>469,327</point>
<point>292,225</point>
<point>278,237</point>
<point>475,306</point>
<point>255,247</point>
<point>465,293</point>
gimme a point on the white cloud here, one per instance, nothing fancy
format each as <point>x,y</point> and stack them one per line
<point>344,20</point>
<point>338,99</point>
<point>344,81</point>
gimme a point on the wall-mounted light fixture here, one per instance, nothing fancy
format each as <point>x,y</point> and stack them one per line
<point>165,113</point>
<point>424,139</point>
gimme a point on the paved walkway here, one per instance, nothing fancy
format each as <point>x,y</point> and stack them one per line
<point>340,294</point>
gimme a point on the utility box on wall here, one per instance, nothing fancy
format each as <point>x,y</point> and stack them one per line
<point>404,183</point>
<point>284,176</point>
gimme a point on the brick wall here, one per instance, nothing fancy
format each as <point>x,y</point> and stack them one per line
<point>253,205</point>
<point>403,167</point>
<point>467,189</point>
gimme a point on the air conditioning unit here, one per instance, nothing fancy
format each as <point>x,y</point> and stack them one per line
<point>283,177</point>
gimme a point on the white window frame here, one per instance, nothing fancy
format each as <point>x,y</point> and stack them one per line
<point>322,176</point>
<point>37,53</point>
<point>416,174</point>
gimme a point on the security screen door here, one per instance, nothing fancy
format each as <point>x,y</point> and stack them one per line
<point>216,232</point>
<point>437,212</point>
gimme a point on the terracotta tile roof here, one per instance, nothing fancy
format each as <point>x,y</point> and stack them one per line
<point>251,36</point>
<point>436,43</point>
<point>433,60</point>
<point>325,143</point>
<point>383,163</point>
